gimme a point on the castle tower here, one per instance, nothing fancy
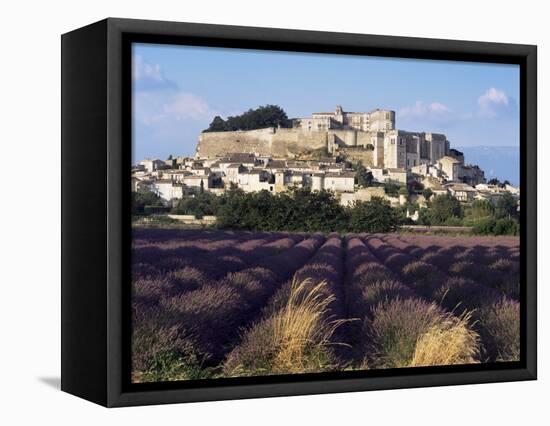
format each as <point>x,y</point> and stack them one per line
<point>339,114</point>
<point>377,140</point>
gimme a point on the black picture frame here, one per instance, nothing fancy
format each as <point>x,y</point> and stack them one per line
<point>96,141</point>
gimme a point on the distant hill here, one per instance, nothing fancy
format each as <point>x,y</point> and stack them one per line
<point>501,162</point>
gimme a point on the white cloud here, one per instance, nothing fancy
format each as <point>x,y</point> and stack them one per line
<point>155,108</point>
<point>142,70</point>
<point>148,76</point>
<point>186,105</point>
<point>493,102</point>
<point>423,109</point>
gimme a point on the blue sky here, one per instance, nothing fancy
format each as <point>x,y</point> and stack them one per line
<point>177,90</point>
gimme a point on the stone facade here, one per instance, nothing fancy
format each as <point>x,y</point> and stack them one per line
<point>168,190</point>
<point>377,120</point>
<point>151,165</point>
<point>274,142</point>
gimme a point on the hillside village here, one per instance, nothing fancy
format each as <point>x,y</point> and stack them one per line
<point>355,155</point>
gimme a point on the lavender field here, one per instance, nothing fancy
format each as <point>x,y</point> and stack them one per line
<point>209,304</point>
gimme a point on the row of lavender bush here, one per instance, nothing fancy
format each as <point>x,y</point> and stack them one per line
<point>200,325</point>
<point>490,268</point>
<point>496,316</point>
<point>298,331</point>
<point>394,318</point>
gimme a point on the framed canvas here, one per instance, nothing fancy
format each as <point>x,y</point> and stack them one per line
<point>223,239</point>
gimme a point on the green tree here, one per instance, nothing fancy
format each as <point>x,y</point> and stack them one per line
<point>424,217</point>
<point>506,207</point>
<point>484,226</point>
<point>427,193</point>
<point>506,226</point>
<point>480,209</point>
<point>375,215</point>
<point>403,191</point>
<point>233,210</point>
<point>217,125</point>
<point>363,177</point>
<point>143,198</point>
<point>316,211</point>
<point>492,226</point>
<point>392,188</point>
<point>261,117</point>
<point>203,204</point>
<point>442,208</point>
<point>301,209</point>
<point>296,210</point>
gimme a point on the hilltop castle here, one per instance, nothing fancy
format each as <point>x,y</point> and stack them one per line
<point>370,137</point>
<point>317,152</point>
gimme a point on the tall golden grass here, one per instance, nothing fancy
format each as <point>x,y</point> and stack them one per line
<point>302,330</point>
<point>295,339</point>
<point>451,341</point>
<point>412,332</point>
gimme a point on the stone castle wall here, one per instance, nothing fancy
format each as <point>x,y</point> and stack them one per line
<point>355,154</point>
<point>279,143</point>
<point>351,137</point>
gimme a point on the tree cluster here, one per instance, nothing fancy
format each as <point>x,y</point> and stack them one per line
<point>363,176</point>
<point>495,181</point>
<point>300,210</point>
<point>143,200</point>
<point>484,217</point>
<point>259,118</point>
<point>442,210</point>
<point>203,204</point>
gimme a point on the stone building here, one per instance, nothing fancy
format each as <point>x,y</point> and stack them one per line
<point>337,182</point>
<point>256,180</point>
<point>196,182</point>
<point>472,175</point>
<point>168,190</point>
<point>450,167</point>
<point>377,120</point>
<point>403,149</point>
<point>461,191</point>
<point>396,175</point>
<point>151,165</point>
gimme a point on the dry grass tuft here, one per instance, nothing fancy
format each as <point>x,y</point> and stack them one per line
<point>398,325</point>
<point>296,339</point>
<point>500,323</point>
<point>302,325</point>
<point>449,342</point>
